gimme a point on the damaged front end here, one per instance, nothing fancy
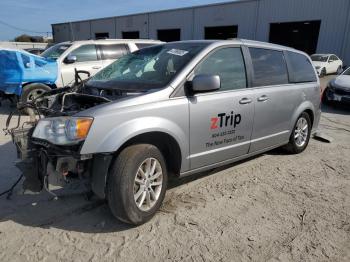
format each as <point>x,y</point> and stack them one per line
<point>50,159</point>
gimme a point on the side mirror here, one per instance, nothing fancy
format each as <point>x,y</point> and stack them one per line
<point>205,83</point>
<point>70,59</point>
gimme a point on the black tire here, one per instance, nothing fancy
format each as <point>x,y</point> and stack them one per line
<point>292,147</point>
<point>339,70</point>
<point>323,72</point>
<point>121,187</point>
<point>28,94</point>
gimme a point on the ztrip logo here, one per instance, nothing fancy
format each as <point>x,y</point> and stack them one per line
<point>225,120</point>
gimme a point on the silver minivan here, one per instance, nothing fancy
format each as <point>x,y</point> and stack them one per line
<point>172,109</point>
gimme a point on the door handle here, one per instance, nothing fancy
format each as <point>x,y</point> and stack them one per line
<point>263,98</point>
<point>245,100</point>
<point>96,67</point>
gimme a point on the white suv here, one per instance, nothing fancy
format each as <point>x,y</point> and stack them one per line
<point>327,64</point>
<point>90,55</point>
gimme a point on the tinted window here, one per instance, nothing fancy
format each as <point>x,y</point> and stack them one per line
<point>85,53</point>
<point>55,51</point>
<point>143,45</point>
<point>333,58</point>
<point>301,70</point>
<point>114,51</point>
<point>228,63</point>
<point>269,67</point>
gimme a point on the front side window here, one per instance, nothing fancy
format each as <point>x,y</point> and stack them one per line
<point>333,58</point>
<point>85,53</point>
<point>301,70</point>
<point>55,51</point>
<point>114,51</point>
<point>269,67</point>
<point>148,68</point>
<point>228,63</point>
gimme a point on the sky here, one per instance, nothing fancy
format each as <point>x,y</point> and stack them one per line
<point>38,15</point>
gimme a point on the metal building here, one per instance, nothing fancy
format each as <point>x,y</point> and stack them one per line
<point>321,26</point>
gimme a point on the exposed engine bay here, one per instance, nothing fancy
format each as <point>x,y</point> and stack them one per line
<point>45,165</point>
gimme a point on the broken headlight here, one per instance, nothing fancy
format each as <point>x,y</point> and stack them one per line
<point>63,130</point>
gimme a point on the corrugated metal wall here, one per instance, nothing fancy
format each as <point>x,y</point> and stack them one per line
<point>241,14</point>
<point>253,18</point>
<point>332,14</point>
<point>132,23</point>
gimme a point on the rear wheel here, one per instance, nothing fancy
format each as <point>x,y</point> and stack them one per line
<point>137,184</point>
<point>31,92</point>
<point>300,137</point>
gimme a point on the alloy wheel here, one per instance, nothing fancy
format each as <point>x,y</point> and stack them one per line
<point>148,184</point>
<point>301,132</point>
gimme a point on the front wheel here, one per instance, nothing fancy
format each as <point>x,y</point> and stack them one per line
<point>31,92</point>
<point>300,137</point>
<point>137,184</point>
<point>339,70</point>
<point>323,72</point>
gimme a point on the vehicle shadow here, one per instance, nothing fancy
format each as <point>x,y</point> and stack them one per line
<point>339,109</point>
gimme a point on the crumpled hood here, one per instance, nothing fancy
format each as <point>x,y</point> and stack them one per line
<point>342,82</point>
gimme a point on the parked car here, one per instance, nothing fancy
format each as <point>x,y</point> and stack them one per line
<point>172,109</point>
<point>327,64</point>
<point>90,55</point>
<point>338,89</point>
<point>19,68</point>
<point>35,51</point>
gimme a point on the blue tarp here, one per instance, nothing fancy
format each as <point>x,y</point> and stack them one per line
<point>18,67</point>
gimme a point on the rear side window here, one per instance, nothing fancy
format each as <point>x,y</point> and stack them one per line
<point>301,70</point>
<point>269,67</point>
<point>114,51</point>
<point>227,63</point>
<point>143,45</point>
<point>85,53</point>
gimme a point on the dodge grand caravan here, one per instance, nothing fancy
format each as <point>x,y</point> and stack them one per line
<point>172,109</point>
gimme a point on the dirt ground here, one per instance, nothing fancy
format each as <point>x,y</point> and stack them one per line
<point>274,207</point>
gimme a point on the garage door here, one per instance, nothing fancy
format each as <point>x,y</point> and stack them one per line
<point>300,35</point>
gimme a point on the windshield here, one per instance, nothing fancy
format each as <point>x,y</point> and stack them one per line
<point>55,51</point>
<point>148,68</point>
<point>319,58</point>
<point>346,72</point>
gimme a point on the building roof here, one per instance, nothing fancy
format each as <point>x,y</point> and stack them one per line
<point>158,11</point>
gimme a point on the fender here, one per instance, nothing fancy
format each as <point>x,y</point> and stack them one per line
<point>306,105</point>
<point>112,140</point>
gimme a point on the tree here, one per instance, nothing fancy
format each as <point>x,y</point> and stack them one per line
<point>28,38</point>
